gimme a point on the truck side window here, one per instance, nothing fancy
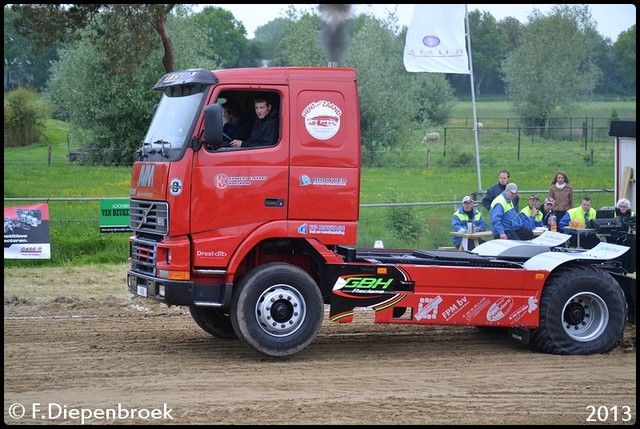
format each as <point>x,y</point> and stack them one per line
<point>252,118</point>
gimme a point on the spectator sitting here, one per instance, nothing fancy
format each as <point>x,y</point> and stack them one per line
<point>581,217</point>
<point>547,210</point>
<point>531,215</point>
<point>505,222</point>
<point>623,209</point>
<point>464,214</point>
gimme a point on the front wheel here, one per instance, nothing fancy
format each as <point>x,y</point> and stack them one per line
<point>277,309</point>
<point>583,311</point>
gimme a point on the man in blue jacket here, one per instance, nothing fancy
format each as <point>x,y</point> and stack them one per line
<point>505,221</point>
<point>464,214</point>
<point>497,189</point>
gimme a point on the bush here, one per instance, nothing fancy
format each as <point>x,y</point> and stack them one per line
<point>25,115</point>
<point>458,157</point>
<point>404,224</point>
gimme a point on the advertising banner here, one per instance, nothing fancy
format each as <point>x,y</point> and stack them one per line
<point>114,215</point>
<point>26,232</point>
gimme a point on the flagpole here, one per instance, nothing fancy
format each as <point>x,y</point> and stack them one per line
<point>473,98</point>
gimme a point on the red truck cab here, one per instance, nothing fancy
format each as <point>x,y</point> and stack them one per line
<point>213,211</point>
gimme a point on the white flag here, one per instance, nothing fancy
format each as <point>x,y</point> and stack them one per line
<point>436,39</point>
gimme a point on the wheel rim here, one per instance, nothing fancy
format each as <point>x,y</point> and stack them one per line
<point>585,316</point>
<point>280,310</point>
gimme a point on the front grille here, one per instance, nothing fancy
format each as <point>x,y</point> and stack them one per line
<point>143,255</point>
<point>149,216</point>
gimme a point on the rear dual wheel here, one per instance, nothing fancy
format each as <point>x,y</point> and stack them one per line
<point>583,311</point>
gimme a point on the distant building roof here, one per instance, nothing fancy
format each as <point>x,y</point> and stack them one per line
<point>623,129</point>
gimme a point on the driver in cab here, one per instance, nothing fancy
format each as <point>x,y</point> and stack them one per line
<point>265,127</point>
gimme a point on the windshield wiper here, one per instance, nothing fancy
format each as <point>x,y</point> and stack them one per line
<point>144,153</point>
<point>161,151</point>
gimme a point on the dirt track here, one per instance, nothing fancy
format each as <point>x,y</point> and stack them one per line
<point>91,356</point>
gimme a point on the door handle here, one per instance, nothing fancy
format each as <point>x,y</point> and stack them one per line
<point>274,202</point>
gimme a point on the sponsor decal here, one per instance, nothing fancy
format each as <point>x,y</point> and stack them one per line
<point>322,181</point>
<point>364,284</point>
<point>322,119</point>
<point>476,309</point>
<point>529,307</point>
<point>322,229</point>
<point>305,180</point>
<point>455,308</point>
<point>222,181</point>
<point>211,254</point>
<point>499,309</point>
<point>428,308</point>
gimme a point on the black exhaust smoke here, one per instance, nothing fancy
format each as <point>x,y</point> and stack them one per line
<point>335,35</point>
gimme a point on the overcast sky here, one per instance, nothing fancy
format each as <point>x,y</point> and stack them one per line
<point>612,19</point>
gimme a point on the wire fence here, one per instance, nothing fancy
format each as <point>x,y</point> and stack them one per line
<point>75,223</point>
<point>453,203</point>
<point>584,130</point>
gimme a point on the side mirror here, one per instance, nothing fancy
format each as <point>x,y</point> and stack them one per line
<point>213,122</point>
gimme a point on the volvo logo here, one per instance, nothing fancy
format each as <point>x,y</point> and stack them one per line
<point>175,187</point>
<point>146,176</point>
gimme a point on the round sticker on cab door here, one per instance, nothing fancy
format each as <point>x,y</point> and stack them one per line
<point>322,119</point>
<point>175,187</point>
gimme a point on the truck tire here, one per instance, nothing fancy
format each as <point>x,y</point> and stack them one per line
<point>583,311</point>
<point>277,309</point>
<point>214,321</point>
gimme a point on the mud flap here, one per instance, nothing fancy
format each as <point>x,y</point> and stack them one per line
<point>521,335</point>
<point>628,285</point>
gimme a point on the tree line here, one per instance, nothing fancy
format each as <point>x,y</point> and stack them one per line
<point>95,64</point>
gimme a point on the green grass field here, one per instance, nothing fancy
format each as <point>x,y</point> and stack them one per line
<point>434,174</point>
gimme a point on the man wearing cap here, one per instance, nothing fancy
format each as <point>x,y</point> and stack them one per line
<point>467,213</point>
<point>505,222</point>
<point>547,210</point>
<point>531,216</point>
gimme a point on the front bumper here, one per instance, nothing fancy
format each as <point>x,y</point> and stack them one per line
<point>173,292</point>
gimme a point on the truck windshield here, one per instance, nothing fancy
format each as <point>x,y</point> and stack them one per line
<point>172,123</point>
